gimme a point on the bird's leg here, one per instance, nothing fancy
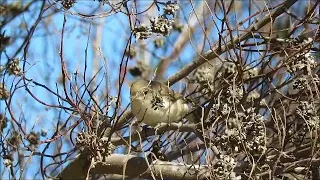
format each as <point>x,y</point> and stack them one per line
<point>156,128</point>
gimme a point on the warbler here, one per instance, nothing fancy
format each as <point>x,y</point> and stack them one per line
<point>154,102</point>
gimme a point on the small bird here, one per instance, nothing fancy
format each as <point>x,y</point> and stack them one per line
<point>153,103</point>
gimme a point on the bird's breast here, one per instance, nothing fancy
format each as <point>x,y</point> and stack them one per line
<point>168,112</point>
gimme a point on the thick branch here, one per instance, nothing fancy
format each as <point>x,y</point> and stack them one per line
<point>134,166</point>
<point>217,51</point>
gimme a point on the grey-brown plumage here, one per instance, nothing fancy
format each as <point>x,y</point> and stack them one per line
<point>153,103</point>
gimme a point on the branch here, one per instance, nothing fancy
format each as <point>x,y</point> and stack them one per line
<point>211,54</point>
<point>217,50</point>
<point>163,127</point>
<point>134,166</point>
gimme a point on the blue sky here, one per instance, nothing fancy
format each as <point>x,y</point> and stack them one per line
<point>44,62</point>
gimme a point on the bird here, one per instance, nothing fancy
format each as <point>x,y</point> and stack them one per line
<point>153,102</point>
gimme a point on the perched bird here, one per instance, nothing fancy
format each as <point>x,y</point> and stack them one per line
<point>153,103</point>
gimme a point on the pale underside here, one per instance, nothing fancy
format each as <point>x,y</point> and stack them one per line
<point>151,113</point>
